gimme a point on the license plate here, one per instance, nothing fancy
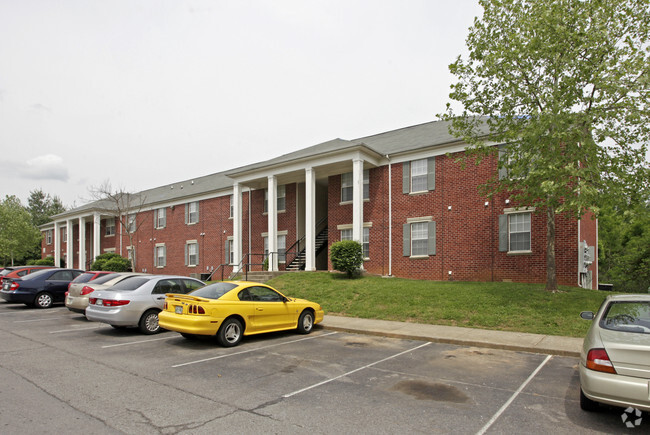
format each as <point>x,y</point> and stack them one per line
<point>6,286</point>
<point>99,302</point>
<point>179,309</point>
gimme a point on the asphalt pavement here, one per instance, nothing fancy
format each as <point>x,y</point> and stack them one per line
<point>518,341</point>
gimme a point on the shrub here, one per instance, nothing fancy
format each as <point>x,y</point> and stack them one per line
<point>112,262</point>
<point>47,261</point>
<point>347,256</point>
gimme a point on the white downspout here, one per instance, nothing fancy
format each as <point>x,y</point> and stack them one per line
<point>390,218</point>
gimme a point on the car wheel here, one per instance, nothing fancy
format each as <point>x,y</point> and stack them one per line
<point>586,404</point>
<point>306,322</point>
<point>149,322</point>
<point>43,300</point>
<point>230,333</point>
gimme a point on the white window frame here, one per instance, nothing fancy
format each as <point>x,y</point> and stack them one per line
<point>230,252</point>
<point>232,207</point>
<point>160,218</point>
<point>419,170</point>
<point>281,201</point>
<point>189,246</point>
<point>519,228</point>
<point>64,234</point>
<point>346,234</point>
<point>281,243</point>
<point>48,237</point>
<point>346,186</point>
<point>160,255</point>
<point>192,215</point>
<point>110,227</point>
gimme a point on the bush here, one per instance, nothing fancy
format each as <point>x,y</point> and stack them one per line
<point>47,261</point>
<point>112,262</point>
<point>347,256</point>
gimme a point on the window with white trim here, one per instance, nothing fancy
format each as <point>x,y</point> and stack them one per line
<point>232,206</point>
<point>192,213</point>
<point>48,237</point>
<point>282,248</point>
<point>230,253</point>
<point>346,185</point>
<point>160,218</point>
<point>515,231</point>
<point>110,227</point>
<point>64,234</point>
<point>160,255</point>
<point>192,253</point>
<point>419,176</point>
<point>419,237</point>
<point>366,242</point>
<point>281,201</point>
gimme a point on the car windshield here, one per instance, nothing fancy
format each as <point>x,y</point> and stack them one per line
<point>84,277</point>
<point>130,283</point>
<point>627,316</point>
<point>214,291</point>
<point>38,273</point>
<point>105,278</point>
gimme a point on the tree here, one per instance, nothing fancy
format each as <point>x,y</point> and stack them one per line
<point>17,233</point>
<point>347,256</point>
<point>42,206</point>
<point>124,206</point>
<point>565,85</point>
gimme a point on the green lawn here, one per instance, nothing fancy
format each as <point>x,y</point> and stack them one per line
<point>486,305</point>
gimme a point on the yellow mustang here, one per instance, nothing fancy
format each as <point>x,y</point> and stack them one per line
<point>234,309</point>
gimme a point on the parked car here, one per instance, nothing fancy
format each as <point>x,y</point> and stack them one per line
<point>231,310</point>
<point>76,298</point>
<point>615,357</point>
<point>42,288</point>
<point>137,300</point>
<point>19,271</point>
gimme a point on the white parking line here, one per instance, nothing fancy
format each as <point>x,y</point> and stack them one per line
<point>138,342</point>
<point>253,350</point>
<point>355,370</point>
<point>39,320</point>
<point>75,329</point>
<point>513,397</point>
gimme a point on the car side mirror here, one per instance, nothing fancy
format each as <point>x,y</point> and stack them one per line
<point>587,315</point>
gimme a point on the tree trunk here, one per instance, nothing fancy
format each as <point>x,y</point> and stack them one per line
<point>551,270</point>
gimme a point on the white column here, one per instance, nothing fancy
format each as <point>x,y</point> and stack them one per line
<point>357,200</point>
<point>57,244</point>
<point>310,219</point>
<point>96,235</point>
<point>273,222</point>
<point>82,243</point>
<point>237,225</point>
<point>69,254</point>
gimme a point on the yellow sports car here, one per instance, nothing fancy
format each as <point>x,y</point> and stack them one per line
<point>234,309</point>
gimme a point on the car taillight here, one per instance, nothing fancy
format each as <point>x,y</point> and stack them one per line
<point>14,286</point>
<point>598,360</point>
<point>92,301</point>
<point>195,309</point>
<point>87,290</point>
<point>114,303</point>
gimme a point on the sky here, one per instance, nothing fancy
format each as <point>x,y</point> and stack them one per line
<point>143,93</point>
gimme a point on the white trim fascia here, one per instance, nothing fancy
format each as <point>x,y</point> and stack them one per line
<point>436,150</point>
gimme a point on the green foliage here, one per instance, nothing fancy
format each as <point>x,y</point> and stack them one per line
<point>18,235</point>
<point>42,206</point>
<point>112,262</point>
<point>565,85</point>
<point>47,261</point>
<point>487,305</point>
<point>347,256</point>
<point>624,247</point>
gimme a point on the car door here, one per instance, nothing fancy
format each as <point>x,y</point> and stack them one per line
<point>271,310</point>
<point>57,284</point>
<point>164,286</point>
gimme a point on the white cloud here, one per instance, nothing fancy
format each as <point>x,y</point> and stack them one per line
<point>45,167</point>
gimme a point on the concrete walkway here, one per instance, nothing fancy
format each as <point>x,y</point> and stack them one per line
<point>546,344</point>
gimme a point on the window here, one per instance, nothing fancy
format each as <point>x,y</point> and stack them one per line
<point>346,234</point>
<point>281,201</point>
<point>232,207</point>
<point>167,286</point>
<point>64,234</point>
<point>160,255</point>
<point>366,243</point>
<point>48,237</point>
<point>130,223</point>
<point>160,218</point>
<point>191,253</point>
<point>110,226</point>
<point>419,175</point>
<point>346,186</point>
<point>192,213</point>
<point>230,253</point>
<point>282,248</point>
<point>419,237</point>
<point>514,232</point>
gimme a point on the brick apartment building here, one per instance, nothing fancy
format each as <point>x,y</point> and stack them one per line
<point>401,193</point>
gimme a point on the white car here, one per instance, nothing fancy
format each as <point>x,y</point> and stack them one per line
<point>615,358</point>
<point>137,300</point>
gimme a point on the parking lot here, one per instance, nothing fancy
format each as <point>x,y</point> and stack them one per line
<point>61,373</point>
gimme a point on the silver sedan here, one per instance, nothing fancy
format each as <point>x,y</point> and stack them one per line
<point>137,300</point>
<point>615,358</point>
